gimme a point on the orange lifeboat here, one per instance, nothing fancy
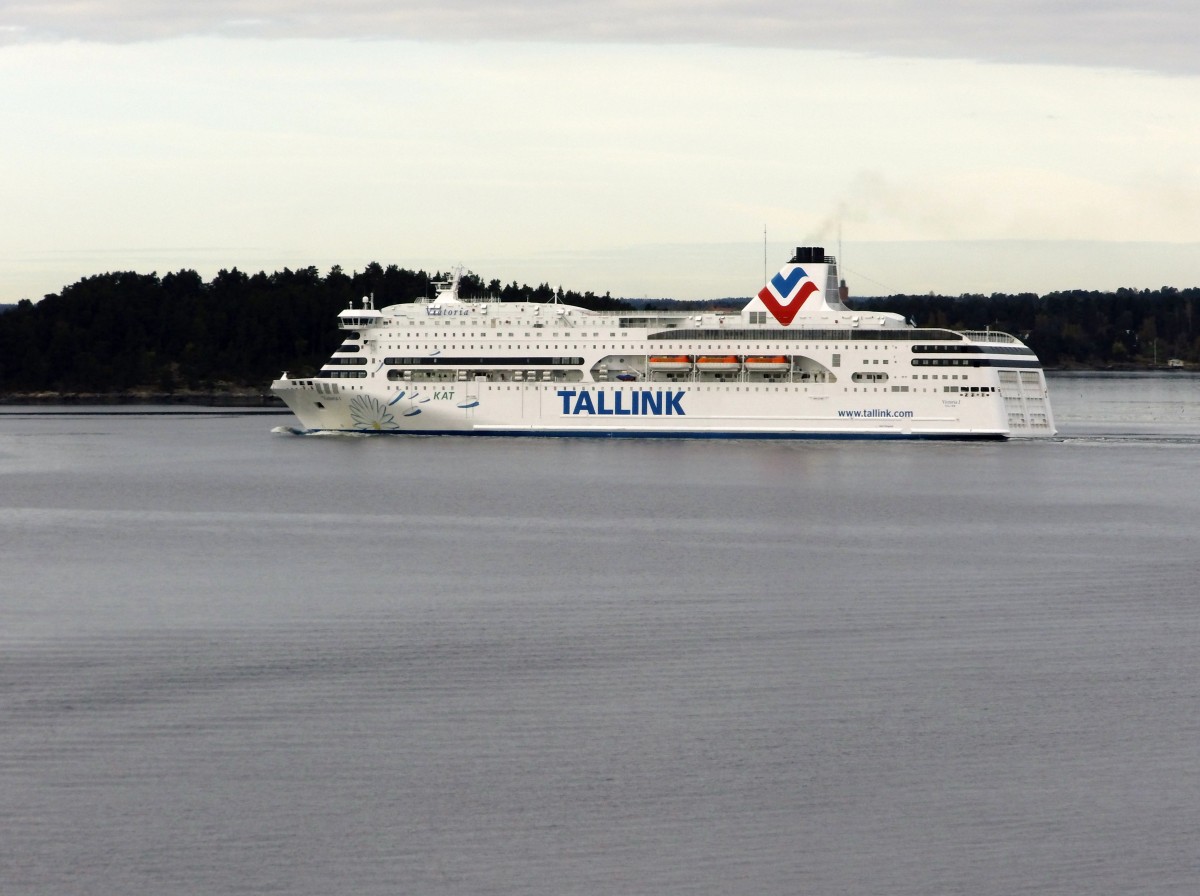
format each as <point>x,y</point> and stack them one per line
<point>718,362</point>
<point>767,364</point>
<point>670,362</point>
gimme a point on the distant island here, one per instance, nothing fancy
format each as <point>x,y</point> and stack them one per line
<point>126,336</point>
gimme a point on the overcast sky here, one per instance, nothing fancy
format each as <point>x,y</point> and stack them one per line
<point>633,147</point>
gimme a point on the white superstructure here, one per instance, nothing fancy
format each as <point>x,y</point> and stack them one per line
<point>794,362</point>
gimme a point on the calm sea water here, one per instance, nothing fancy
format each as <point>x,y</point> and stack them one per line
<point>239,661</point>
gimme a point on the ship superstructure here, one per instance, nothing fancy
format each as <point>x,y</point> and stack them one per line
<point>796,362</point>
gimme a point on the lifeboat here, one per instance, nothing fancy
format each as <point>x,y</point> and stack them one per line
<point>718,362</point>
<point>670,362</point>
<point>768,364</point>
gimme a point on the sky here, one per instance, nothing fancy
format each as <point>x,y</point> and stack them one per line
<point>649,148</point>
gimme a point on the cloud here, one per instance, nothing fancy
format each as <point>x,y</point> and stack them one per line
<point>1153,35</point>
<point>141,148</point>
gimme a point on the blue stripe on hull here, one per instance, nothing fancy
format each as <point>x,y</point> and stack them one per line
<point>644,434</point>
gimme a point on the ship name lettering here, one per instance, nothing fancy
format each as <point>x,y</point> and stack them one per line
<point>442,311</point>
<point>637,403</point>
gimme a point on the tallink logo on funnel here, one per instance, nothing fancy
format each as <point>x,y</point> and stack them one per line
<point>784,295</point>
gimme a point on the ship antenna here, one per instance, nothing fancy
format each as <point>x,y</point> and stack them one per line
<point>764,253</point>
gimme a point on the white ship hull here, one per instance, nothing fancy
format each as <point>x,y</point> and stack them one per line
<point>486,368</point>
<point>682,409</point>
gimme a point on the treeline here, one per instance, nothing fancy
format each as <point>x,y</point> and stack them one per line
<point>125,331</point>
<point>1075,328</point>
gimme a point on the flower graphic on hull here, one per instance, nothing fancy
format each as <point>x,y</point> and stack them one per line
<point>370,413</point>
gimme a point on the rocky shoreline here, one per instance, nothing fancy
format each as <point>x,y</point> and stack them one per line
<point>220,398</point>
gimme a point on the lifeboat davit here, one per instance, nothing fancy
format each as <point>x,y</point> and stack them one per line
<point>718,362</point>
<point>670,362</point>
<point>767,363</point>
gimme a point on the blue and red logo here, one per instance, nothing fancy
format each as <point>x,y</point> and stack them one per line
<point>783,296</point>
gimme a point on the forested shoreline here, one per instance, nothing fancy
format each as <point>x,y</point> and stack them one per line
<point>131,334</point>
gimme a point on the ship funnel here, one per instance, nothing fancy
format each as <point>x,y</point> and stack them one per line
<point>806,287</point>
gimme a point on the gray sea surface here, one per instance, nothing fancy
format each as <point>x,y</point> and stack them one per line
<point>239,661</point>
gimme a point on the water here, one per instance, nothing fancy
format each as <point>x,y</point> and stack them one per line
<point>233,661</point>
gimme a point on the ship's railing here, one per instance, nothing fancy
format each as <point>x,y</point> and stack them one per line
<point>989,336</point>
<point>475,300</point>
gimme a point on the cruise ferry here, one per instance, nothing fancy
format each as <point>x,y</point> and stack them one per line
<point>795,362</point>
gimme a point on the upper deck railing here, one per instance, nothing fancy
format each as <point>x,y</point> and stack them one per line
<point>473,300</point>
<point>989,336</point>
